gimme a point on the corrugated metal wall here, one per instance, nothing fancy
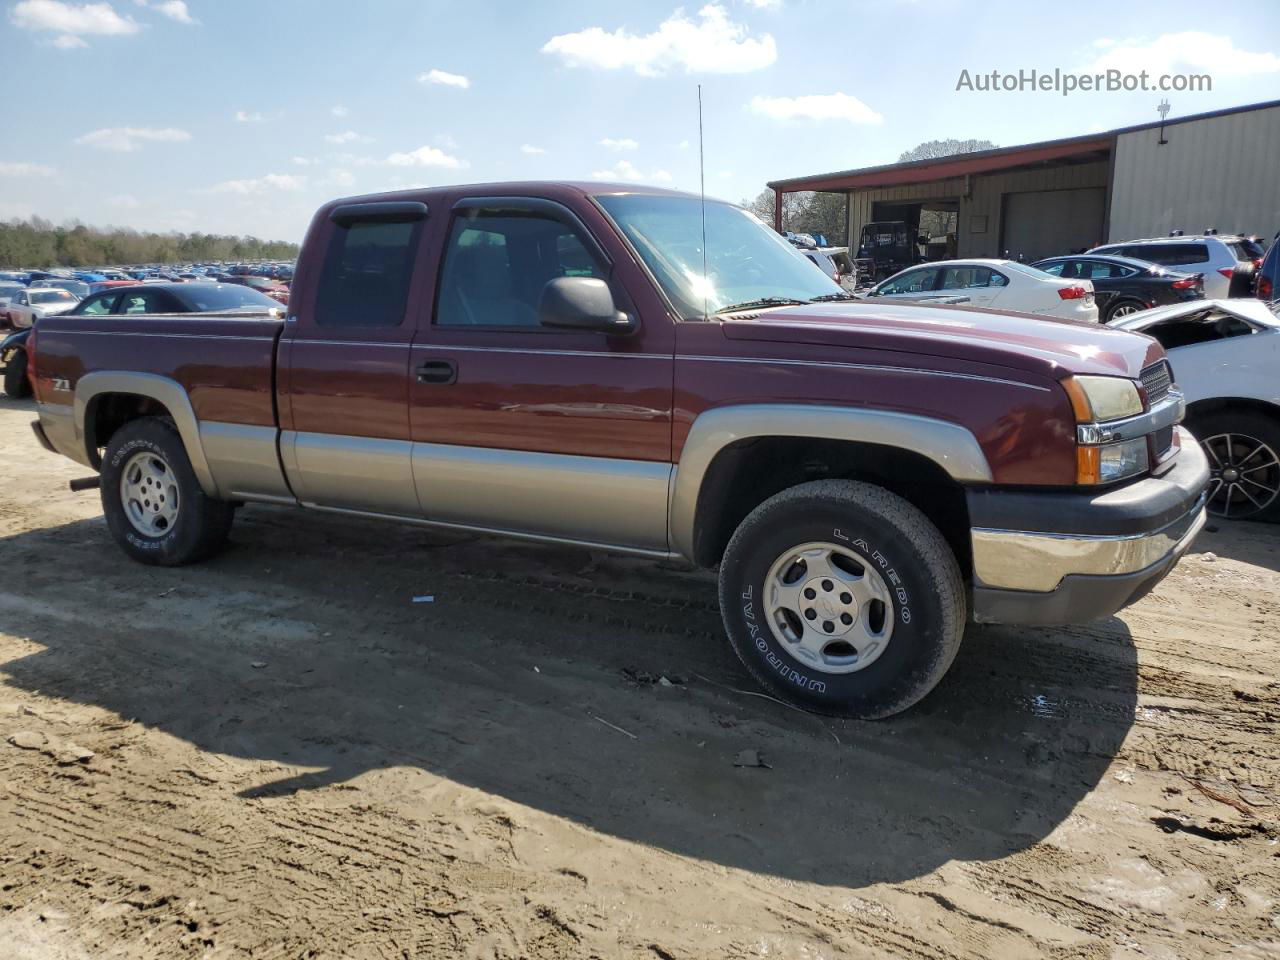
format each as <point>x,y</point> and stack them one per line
<point>984,200</point>
<point>1220,172</point>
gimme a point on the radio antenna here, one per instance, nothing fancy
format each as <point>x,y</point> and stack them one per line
<point>702,190</point>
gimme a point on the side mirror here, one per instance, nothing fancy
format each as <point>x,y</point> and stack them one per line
<point>582,303</point>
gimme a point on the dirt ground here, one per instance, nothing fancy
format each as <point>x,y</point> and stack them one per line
<point>292,758</point>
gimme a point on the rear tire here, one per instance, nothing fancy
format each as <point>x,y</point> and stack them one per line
<point>152,500</point>
<point>1122,308</point>
<point>1243,447</point>
<point>842,598</point>
<point>16,384</point>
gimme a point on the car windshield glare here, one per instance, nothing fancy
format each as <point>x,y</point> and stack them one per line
<point>745,260</point>
<point>51,295</point>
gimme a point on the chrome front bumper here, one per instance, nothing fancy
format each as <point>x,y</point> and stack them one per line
<point>1051,576</point>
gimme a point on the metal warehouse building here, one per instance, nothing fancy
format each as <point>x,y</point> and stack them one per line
<point>1211,170</point>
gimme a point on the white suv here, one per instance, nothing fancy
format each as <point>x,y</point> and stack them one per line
<point>1217,256</point>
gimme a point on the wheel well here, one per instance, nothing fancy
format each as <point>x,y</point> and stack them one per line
<point>1218,404</point>
<point>745,474</point>
<point>108,412</point>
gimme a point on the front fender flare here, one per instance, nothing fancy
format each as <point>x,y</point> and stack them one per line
<point>949,445</point>
<point>163,390</point>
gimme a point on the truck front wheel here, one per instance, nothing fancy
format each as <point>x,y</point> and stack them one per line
<point>842,598</point>
<point>152,500</point>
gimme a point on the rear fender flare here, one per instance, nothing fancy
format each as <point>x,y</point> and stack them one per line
<point>163,390</point>
<point>951,446</point>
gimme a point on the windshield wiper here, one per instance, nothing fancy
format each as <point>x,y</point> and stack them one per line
<point>762,302</point>
<point>828,297</point>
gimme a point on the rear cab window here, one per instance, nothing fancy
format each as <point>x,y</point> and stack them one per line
<point>367,272</point>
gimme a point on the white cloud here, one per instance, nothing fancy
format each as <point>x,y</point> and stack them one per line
<point>626,171</point>
<point>444,78</point>
<point>71,20</point>
<point>303,161</point>
<point>710,44</point>
<point>682,145</point>
<point>531,150</point>
<point>764,4</point>
<point>272,181</point>
<point>626,143</point>
<point>176,10</point>
<point>339,110</point>
<point>426,157</point>
<point>347,136</point>
<point>25,170</point>
<point>830,106</point>
<point>1176,52</point>
<point>340,178</point>
<point>123,201</point>
<point>243,117</point>
<point>126,139</point>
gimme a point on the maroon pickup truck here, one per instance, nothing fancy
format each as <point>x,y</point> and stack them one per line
<point>574,363</point>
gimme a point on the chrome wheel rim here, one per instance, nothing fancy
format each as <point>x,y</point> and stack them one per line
<point>828,608</point>
<point>1244,475</point>
<point>1124,310</point>
<point>149,494</point>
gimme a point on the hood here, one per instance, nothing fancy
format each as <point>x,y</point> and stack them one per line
<point>1052,348</point>
<point>1252,311</point>
<point>52,309</point>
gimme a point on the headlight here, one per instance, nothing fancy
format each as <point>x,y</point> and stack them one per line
<point>1099,399</point>
<point>1111,461</point>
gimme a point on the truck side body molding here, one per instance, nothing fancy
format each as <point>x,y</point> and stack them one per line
<point>952,447</point>
<point>163,390</point>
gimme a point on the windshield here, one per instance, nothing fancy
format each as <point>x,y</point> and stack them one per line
<point>745,260</point>
<point>209,296</point>
<point>50,296</point>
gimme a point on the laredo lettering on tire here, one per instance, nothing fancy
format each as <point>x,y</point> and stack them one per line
<point>842,598</point>
<point>152,500</point>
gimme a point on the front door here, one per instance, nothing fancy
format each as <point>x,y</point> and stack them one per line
<point>528,429</point>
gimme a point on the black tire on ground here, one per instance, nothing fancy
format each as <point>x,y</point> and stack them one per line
<point>200,525</point>
<point>871,529</point>
<point>1254,449</point>
<point>1125,303</point>
<point>16,383</point>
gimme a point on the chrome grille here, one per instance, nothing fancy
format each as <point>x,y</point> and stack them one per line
<point>1156,380</point>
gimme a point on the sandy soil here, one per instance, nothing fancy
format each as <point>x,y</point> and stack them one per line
<point>291,758</point>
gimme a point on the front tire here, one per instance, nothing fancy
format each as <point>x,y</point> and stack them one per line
<point>842,598</point>
<point>1243,448</point>
<point>16,384</point>
<point>152,500</point>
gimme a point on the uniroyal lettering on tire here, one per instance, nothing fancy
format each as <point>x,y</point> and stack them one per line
<point>197,525</point>
<point>842,598</point>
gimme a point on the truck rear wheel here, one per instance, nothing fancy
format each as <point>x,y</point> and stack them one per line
<point>842,598</point>
<point>152,500</point>
<point>16,383</point>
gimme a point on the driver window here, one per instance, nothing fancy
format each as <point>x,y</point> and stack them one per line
<point>497,263</point>
<point>914,281</point>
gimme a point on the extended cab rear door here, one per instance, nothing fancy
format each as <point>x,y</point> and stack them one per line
<point>344,360</point>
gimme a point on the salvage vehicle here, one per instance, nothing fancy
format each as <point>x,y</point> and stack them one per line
<point>885,247</point>
<point>1227,354</point>
<point>1228,263</point>
<point>572,363</point>
<point>1004,284</point>
<point>28,305</point>
<point>1122,286</point>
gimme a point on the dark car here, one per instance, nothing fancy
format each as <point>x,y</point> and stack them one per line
<point>1123,285</point>
<point>136,299</point>
<point>1268,287</point>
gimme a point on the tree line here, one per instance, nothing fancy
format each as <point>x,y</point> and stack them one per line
<point>37,243</point>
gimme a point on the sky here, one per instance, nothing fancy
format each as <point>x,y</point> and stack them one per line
<point>241,116</point>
